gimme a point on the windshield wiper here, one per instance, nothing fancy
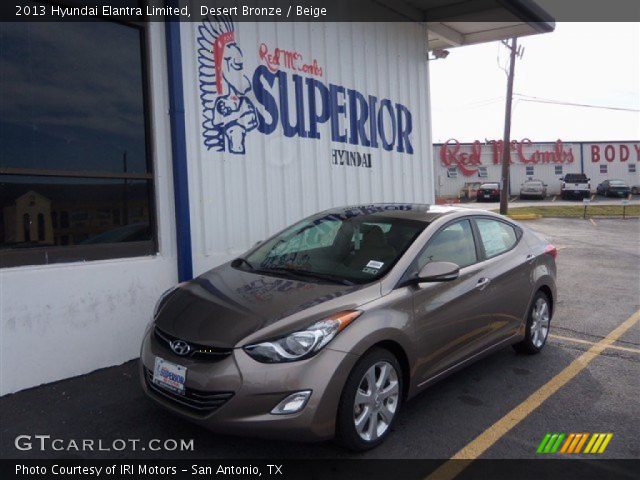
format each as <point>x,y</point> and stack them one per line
<point>307,273</point>
<point>240,260</point>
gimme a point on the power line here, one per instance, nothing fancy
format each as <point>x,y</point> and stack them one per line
<point>530,98</point>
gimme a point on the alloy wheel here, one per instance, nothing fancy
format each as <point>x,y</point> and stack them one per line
<point>540,323</point>
<point>376,401</point>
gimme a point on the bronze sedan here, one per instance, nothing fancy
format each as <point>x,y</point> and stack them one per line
<point>327,328</point>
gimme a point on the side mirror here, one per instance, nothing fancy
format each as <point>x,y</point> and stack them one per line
<point>438,272</point>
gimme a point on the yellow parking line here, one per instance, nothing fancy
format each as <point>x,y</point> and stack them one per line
<point>593,196</point>
<point>553,199</point>
<point>495,432</point>
<point>592,221</point>
<point>587,342</point>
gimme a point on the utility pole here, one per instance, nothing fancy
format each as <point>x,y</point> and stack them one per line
<point>506,141</point>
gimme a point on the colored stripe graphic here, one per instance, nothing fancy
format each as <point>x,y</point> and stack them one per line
<point>543,443</point>
<point>574,442</point>
<point>598,443</point>
<point>567,443</point>
<point>550,443</point>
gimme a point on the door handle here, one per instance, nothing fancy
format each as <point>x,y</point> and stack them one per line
<point>530,256</point>
<point>483,282</point>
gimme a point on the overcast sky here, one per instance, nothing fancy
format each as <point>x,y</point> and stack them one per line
<point>586,63</point>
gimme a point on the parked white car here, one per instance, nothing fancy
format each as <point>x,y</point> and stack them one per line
<point>533,188</point>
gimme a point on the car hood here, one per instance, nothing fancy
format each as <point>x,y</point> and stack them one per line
<point>225,305</point>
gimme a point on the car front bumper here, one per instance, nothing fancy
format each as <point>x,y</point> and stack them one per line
<point>256,389</point>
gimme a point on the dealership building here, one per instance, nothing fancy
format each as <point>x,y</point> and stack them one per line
<point>461,167</point>
<point>135,155</point>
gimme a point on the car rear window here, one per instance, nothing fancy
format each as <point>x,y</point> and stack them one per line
<point>575,177</point>
<point>617,183</point>
<point>489,185</point>
<point>497,237</point>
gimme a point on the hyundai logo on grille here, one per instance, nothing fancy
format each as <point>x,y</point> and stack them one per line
<point>180,347</point>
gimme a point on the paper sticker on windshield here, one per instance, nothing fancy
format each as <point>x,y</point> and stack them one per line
<point>375,264</point>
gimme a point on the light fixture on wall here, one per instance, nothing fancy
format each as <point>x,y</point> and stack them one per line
<point>439,53</point>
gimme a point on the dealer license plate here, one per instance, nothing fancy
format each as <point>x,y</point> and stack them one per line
<point>169,375</point>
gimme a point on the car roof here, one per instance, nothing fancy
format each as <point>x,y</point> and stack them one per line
<point>409,211</point>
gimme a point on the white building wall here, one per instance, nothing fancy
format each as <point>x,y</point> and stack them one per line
<point>238,199</point>
<point>62,320</point>
<point>617,156</point>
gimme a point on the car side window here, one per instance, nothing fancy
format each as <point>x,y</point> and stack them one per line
<point>497,237</point>
<point>454,243</point>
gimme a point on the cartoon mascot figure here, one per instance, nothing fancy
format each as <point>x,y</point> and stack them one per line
<point>228,113</point>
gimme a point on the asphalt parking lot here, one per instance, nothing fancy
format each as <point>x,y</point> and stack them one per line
<point>598,285</point>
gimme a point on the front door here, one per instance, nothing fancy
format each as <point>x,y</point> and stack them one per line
<point>451,317</point>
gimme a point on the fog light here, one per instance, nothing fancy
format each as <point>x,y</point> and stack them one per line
<point>293,403</point>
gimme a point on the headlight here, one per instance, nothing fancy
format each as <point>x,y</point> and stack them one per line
<point>304,343</point>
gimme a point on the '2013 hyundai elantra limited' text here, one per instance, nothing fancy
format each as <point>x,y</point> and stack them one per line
<point>327,328</point>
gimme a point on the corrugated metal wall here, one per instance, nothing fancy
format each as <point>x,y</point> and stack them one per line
<point>238,199</point>
<point>576,158</point>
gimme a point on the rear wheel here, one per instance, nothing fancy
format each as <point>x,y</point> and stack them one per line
<point>537,328</point>
<point>370,401</point>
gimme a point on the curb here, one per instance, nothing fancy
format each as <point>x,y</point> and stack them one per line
<point>524,216</point>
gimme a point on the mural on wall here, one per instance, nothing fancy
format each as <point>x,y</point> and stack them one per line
<point>288,95</point>
<point>229,114</point>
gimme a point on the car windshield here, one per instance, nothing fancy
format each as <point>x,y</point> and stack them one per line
<point>337,248</point>
<point>617,183</point>
<point>533,183</point>
<point>489,185</point>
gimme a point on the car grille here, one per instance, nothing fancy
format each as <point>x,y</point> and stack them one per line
<point>196,401</point>
<point>201,352</point>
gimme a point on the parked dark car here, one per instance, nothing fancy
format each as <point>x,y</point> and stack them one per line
<point>635,190</point>
<point>488,192</point>
<point>613,188</point>
<point>328,327</point>
<point>575,185</point>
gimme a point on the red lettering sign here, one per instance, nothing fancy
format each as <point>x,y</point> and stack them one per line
<point>450,154</point>
<point>289,59</point>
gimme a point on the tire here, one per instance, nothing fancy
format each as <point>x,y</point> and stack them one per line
<point>535,339</point>
<point>349,410</point>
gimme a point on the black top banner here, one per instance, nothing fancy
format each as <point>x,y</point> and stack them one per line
<point>528,11</point>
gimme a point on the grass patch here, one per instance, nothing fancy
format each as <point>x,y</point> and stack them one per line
<point>576,211</point>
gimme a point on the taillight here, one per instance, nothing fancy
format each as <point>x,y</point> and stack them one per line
<point>495,192</point>
<point>551,250</point>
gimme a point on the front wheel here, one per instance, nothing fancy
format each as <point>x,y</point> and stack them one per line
<point>370,401</point>
<point>537,328</point>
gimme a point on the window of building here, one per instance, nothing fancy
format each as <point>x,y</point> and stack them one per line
<point>74,136</point>
<point>452,172</point>
<point>632,168</point>
<point>482,172</point>
<point>558,169</point>
<point>603,168</point>
<point>529,171</point>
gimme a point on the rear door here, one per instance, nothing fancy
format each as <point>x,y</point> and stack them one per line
<point>450,317</point>
<point>507,266</point>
